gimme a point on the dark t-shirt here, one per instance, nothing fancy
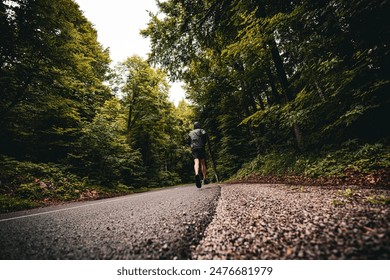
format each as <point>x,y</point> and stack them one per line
<point>197,138</point>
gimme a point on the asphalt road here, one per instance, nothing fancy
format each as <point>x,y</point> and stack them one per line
<point>163,224</point>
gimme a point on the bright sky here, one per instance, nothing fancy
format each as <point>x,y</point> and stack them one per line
<point>118,23</point>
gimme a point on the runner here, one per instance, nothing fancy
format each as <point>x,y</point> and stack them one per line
<point>197,139</point>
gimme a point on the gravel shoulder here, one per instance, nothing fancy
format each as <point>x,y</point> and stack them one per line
<point>263,221</point>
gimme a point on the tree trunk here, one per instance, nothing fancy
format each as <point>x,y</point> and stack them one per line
<point>275,95</point>
<point>298,135</point>
<point>282,76</point>
<point>288,95</point>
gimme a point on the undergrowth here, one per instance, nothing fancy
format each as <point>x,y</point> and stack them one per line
<point>25,185</point>
<point>350,157</point>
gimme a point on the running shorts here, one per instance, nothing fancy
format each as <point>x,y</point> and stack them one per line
<point>199,153</point>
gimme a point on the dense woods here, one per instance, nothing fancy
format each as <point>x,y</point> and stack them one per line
<point>71,125</point>
<point>283,88</point>
<point>292,87</point>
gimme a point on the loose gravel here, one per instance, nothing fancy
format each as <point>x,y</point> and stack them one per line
<point>260,221</point>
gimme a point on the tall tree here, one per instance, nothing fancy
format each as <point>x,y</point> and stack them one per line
<point>150,120</point>
<point>103,153</point>
<point>51,78</point>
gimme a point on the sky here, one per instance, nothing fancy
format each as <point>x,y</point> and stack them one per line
<point>118,23</point>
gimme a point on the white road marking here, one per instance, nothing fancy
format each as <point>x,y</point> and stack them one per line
<point>70,208</point>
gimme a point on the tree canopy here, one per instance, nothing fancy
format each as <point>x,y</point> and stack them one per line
<point>52,69</point>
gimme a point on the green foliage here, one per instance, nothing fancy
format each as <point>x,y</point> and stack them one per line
<point>338,203</point>
<point>275,163</point>
<point>351,156</point>
<point>336,162</point>
<point>28,183</point>
<point>63,135</point>
<point>345,196</point>
<point>154,127</point>
<point>348,193</point>
<point>8,204</point>
<point>51,77</point>
<point>378,199</point>
<point>299,78</point>
<point>165,179</point>
<point>103,153</point>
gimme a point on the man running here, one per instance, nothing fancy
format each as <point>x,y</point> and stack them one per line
<point>197,139</point>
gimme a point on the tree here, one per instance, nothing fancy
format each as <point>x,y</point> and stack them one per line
<point>103,153</point>
<point>151,125</point>
<point>51,77</point>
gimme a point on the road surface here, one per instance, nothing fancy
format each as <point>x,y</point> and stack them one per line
<point>163,224</point>
<point>231,221</point>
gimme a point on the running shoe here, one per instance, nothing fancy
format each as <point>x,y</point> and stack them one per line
<point>197,181</point>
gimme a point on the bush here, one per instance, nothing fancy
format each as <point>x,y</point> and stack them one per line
<point>25,185</point>
<point>36,182</point>
<point>336,162</point>
<point>8,204</point>
<point>360,158</point>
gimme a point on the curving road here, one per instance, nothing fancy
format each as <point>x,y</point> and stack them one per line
<point>164,224</point>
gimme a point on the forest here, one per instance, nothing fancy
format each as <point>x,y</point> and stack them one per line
<point>285,89</point>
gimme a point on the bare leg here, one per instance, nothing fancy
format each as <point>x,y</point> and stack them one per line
<point>204,170</point>
<point>197,177</point>
<point>196,166</point>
